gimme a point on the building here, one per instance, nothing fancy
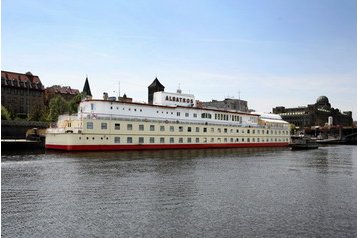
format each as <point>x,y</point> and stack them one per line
<point>86,89</point>
<point>314,114</point>
<point>156,86</point>
<point>64,91</point>
<point>21,93</point>
<point>228,104</point>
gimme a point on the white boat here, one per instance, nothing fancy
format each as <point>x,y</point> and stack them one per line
<point>173,121</point>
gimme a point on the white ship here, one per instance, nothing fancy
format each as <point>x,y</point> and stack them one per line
<point>171,121</point>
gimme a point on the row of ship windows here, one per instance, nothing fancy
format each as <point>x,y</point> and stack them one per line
<point>117,126</point>
<point>218,116</point>
<point>162,140</point>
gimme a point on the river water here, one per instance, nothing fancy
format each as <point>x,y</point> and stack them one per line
<point>181,193</point>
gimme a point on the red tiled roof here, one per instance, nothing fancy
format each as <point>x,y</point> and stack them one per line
<point>63,89</point>
<point>21,77</point>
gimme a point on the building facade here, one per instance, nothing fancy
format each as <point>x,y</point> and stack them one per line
<point>314,114</point>
<point>228,104</point>
<point>64,91</point>
<point>21,93</point>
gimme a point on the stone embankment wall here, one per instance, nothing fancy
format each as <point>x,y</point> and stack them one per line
<point>17,129</point>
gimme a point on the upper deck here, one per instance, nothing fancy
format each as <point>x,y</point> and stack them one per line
<point>97,109</point>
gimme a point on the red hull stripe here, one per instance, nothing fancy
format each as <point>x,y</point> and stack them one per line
<point>157,147</point>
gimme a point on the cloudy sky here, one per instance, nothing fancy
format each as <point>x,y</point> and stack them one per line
<point>270,53</point>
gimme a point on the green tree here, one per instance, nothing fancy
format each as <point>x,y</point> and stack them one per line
<point>74,102</point>
<point>37,114</point>
<point>5,114</point>
<point>57,106</point>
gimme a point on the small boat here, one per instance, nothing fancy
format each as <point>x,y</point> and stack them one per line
<point>302,142</point>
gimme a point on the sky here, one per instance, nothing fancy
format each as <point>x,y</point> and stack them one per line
<point>267,52</point>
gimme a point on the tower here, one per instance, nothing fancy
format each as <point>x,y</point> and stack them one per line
<point>156,86</point>
<point>86,89</point>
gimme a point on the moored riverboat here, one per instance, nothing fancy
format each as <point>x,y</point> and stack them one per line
<point>172,121</point>
<point>301,142</point>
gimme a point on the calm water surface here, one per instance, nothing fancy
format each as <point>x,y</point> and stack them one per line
<point>181,193</point>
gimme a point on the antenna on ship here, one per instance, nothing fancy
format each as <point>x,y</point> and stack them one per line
<point>119,89</point>
<point>179,90</point>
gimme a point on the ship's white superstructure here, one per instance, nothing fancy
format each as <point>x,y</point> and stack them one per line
<point>172,121</point>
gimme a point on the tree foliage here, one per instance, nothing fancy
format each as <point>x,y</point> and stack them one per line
<point>57,106</point>
<point>74,102</point>
<point>5,114</point>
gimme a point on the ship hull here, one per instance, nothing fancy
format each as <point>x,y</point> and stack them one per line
<point>158,147</point>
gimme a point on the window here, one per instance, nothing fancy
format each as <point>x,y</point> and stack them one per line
<point>89,125</point>
<point>189,129</point>
<point>180,140</point>
<point>195,115</point>
<point>152,128</point>
<point>197,129</point>
<point>141,127</point>
<point>180,128</point>
<point>219,130</point>
<point>129,127</point>
<point>151,140</point>
<point>171,139</point>
<point>161,140</point>
<point>117,126</point>
<point>162,128</point>
<point>129,140</point>
<point>205,140</point>
<point>189,140</point>
<point>178,114</point>
<point>104,126</point>
<point>92,106</point>
<point>117,140</point>
<point>197,140</point>
<point>171,128</point>
<point>206,115</point>
<point>205,129</point>
<point>212,129</point>
<point>141,140</point>
<point>225,130</point>
<point>248,131</point>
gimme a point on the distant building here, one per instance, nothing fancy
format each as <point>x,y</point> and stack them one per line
<point>21,93</point>
<point>64,91</point>
<point>156,86</point>
<point>314,114</point>
<point>86,89</point>
<point>228,104</point>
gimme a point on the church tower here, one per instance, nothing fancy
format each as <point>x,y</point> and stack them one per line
<point>86,89</point>
<point>156,86</point>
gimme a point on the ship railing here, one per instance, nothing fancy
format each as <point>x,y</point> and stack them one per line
<point>56,130</point>
<point>103,116</point>
<point>67,117</point>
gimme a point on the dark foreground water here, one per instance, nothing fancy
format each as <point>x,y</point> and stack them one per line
<point>188,193</point>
